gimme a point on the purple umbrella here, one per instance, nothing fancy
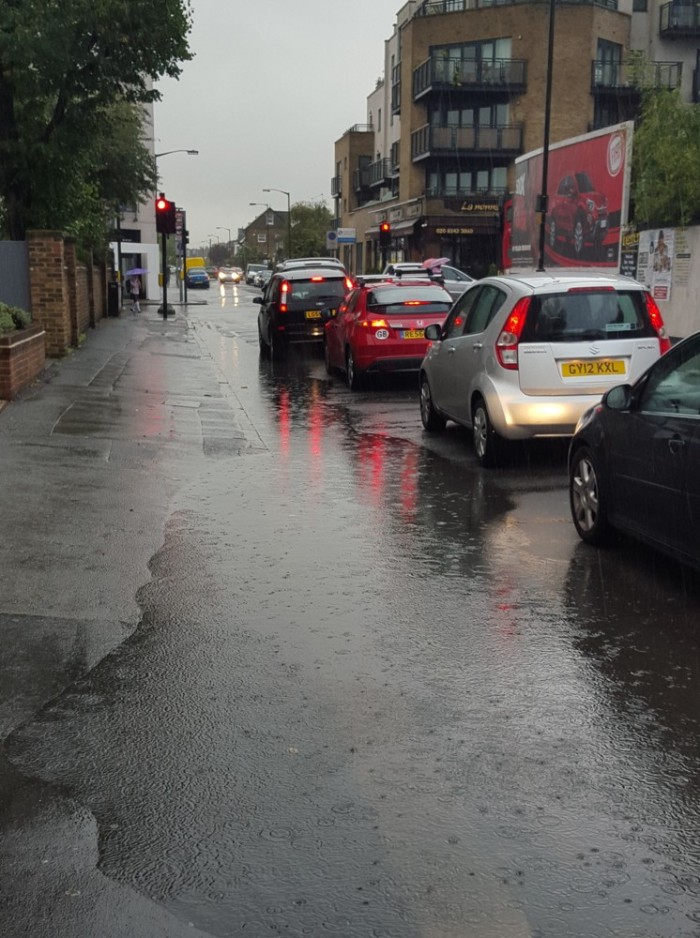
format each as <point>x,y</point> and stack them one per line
<point>135,271</point>
<point>435,262</point>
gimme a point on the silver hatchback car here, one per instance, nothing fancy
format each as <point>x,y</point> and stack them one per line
<point>524,356</point>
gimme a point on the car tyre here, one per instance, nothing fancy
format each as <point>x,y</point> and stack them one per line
<point>432,420</point>
<point>587,499</point>
<point>353,377</point>
<point>488,445</point>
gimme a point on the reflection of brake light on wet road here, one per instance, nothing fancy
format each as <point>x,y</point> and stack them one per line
<point>409,485</point>
<point>284,420</point>
<point>371,454</point>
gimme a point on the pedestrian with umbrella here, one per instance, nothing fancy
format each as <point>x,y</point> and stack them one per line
<point>134,287</point>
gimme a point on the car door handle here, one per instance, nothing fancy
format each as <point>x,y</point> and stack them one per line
<point>676,445</point>
<point>451,349</point>
<point>477,346</point>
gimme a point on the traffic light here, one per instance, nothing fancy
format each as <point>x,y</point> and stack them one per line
<point>384,234</point>
<point>165,215</point>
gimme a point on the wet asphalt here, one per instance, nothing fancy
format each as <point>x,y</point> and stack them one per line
<point>275,661</point>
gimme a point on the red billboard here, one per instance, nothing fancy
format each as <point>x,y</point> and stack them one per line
<point>588,191</point>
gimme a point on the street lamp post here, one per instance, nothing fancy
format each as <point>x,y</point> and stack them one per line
<point>542,201</point>
<point>168,152</point>
<point>289,217</point>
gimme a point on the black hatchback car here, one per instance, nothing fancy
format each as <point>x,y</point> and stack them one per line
<point>634,461</point>
<point>295,305</point>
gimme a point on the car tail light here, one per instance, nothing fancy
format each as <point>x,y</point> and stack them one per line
<point>285,290</point>
<point>373,323</point>
<point>349,285</point>
<point>317,280</point>
<point>507,342</point>
<point>657,321</point>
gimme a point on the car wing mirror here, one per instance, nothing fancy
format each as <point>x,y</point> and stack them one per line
<point>258,300</point>
<point>433,332</point>
<point>619,397</point>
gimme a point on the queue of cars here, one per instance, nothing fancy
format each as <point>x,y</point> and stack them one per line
<point>579,355</point>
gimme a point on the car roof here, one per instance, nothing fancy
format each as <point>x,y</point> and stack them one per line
<point>565,280</point>
<point>305,273</point>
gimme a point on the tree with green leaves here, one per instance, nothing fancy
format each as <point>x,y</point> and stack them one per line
<point>310,222</point>
<point>666,161</point>
<point>73,75</point>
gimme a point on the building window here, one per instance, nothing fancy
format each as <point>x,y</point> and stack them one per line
<point>262,238</point>
<point>639,6</point>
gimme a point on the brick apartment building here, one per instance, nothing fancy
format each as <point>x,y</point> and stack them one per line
<point>267,234</point>
<point>463,95</point>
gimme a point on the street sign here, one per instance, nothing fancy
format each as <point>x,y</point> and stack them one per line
<point>331,240</point>
<point>347,235</point>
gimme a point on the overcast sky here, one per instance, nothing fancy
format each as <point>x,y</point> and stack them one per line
<point>272,86</point>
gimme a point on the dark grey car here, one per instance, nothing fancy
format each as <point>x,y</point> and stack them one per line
<point>634,461</point>
<point>295,305</point>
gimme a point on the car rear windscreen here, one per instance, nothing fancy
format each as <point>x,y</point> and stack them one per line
<point>582,315</point>
<point>399,301</point>
<point>332,288</point>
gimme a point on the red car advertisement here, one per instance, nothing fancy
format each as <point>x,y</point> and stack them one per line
<point>587,188</point>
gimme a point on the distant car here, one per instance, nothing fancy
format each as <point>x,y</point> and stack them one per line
<point>265,277</point>
<point>454,280</point>
<point>524,356</point>
<point>579,214</point>
<point>251,271</point>
<point>634,461</point>
<point>228,275</point>
<point>402,268</point>
<point>212,272</point>
<point>198,278</point>
<point>380,327</point>
<point>293,306</point>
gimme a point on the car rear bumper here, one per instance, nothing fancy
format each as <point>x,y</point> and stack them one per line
<point>521,417</point>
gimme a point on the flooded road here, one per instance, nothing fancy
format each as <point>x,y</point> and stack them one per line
<point>376,690</point>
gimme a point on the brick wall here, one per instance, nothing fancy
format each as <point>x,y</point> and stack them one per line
<point>49,289</point>
<point>22,357</point>
<point>67,295</point>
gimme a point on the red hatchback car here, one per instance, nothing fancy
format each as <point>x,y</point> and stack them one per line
<point>380,327</point>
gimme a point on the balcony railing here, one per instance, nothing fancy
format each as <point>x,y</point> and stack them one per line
<point>451,192</point>
<point>506,140</point>
<point>379,174</point>
<point>336,186</point>
<point>359,129</point>
<point>615,76</point>
<point>360,179</point>
<point>679,18</point>
<point>440,74</point>
<point>439,7</point>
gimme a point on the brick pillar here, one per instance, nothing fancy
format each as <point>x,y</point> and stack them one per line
<point>71,267</point>
<point>48,289</point>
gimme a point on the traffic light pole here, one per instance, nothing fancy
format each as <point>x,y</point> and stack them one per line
<point>164,242</point>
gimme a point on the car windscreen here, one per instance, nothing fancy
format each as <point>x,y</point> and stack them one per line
<point>317,289</point>
<point>399,301</point>
<point>587,315</point>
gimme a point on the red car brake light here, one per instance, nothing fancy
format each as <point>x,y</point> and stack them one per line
<point>373,323</point>
<point>507,342</point>
<point>285,290</point>
<point>657,322</point>
<point>317,279</point>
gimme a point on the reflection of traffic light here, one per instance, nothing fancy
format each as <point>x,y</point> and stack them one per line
<point>165,215</point>
<point>384,234</point>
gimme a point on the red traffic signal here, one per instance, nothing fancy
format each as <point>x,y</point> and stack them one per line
<point>384,234</point>
<point>165,215</point>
